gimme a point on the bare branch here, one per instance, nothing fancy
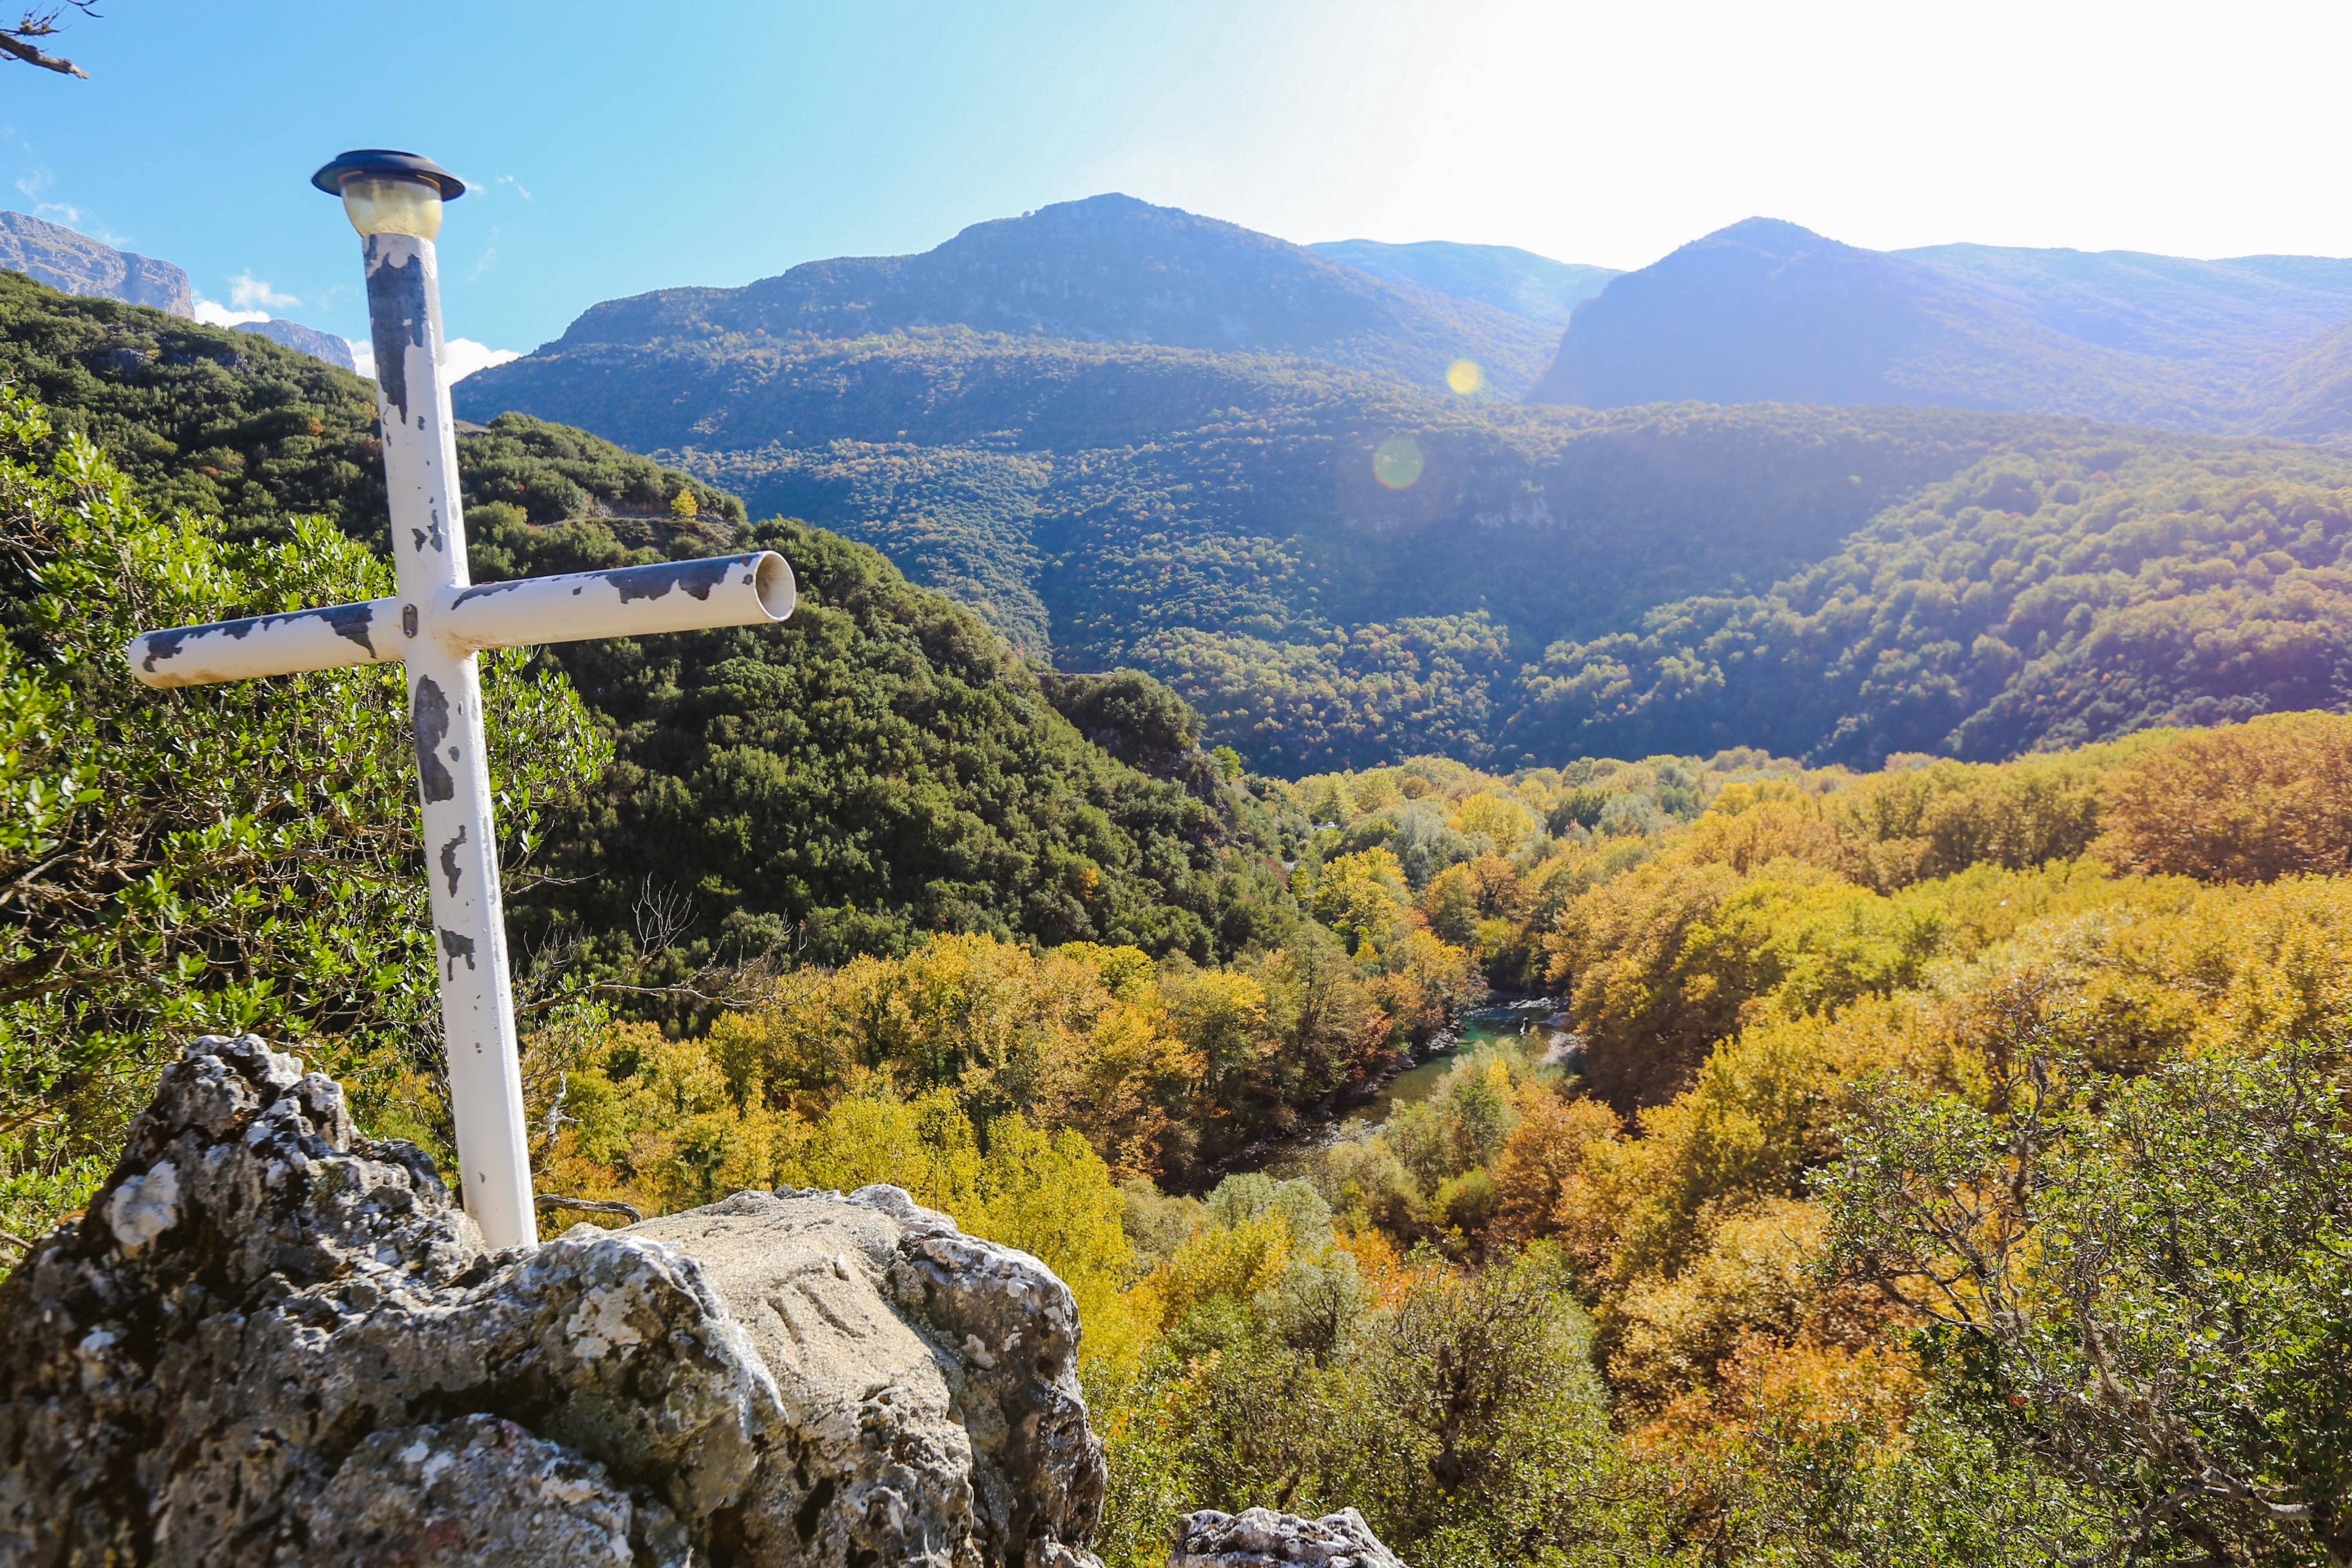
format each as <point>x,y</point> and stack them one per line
<point>589,1205</point>
<point>17,42</point>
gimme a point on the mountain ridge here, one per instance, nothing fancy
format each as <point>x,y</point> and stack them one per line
<point>1109,268</point>
<point>1765,310</point>
<point>74,263</point>
<point>1502,275</point>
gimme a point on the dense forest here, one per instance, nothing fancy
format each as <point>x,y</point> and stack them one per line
<point>1947,1163</point>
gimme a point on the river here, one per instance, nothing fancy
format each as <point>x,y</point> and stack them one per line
<point>1537,1025</point>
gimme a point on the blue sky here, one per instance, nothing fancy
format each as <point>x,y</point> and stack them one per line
<point>615,149</point>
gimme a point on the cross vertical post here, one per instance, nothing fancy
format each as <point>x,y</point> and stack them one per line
<point>436,624</point>
<point>445,705</point>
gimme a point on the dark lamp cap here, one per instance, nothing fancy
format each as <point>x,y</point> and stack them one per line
<point>384,161</point>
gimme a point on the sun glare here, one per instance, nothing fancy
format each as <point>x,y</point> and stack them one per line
<point>1397,462</point>
<point>1465,376</point>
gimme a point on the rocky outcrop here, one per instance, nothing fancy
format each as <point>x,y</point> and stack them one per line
<point>271,1340</point>
<point>304,339</point>
<point>1261,1538</point>
<point>52,254</point>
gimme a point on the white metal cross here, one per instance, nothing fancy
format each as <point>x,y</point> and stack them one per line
<point>435,624</point>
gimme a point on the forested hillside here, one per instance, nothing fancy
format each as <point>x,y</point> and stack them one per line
<point>1506,585</point>
<point>1943,1165</point>
<point>2052,595</point>
<point>879,767</point>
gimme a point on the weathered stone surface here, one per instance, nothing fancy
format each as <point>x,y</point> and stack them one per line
<point>273,1341</point>
<point>310,341</point>
<point>61,257</point>
<point>481,1489</point>
<point>1261,1538</point>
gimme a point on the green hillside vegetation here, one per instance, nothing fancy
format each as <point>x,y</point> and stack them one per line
<point>210,860</point>
<point>2039,597</point>
<point>223,423</point>
<point>1838,584</point>
<point>226,425</point>
<point>879,767</point>
<point>882,766</point>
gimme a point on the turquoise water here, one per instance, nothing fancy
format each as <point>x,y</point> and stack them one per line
<point>1536,1027</point>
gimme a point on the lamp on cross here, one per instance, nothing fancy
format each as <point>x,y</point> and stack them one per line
<point>435,624</point>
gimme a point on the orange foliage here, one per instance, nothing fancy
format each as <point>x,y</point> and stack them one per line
<point>2244,802</point>
<point>1543,1156</point>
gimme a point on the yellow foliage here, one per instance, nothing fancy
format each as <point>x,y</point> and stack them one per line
<point>1794,1396</point>
<point>1116,1082</point>
<point>1502,819</point>
<point>1668,1333</point>
<point>2240,803</point>
<point>1450,904</point>
<point>1126,973</point>
<point>1236,1261</point>
<point>1361,897</point>
<point>1223,1016</point>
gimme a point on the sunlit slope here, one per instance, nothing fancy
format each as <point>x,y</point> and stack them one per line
<point>1502,275</point>
<point>1107,270</point>
<point>1766,309</point>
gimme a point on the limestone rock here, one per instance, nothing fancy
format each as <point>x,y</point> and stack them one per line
<point>310,341</point>
<point>52,254</point>
<point>271,1340</point>
<point>1261,1538</point>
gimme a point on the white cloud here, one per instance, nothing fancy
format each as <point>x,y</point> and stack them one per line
<point>213,313</point>
<point>461,357</point>
<point>516,185</point>
<point>32,186</point>
<point>246,292</point>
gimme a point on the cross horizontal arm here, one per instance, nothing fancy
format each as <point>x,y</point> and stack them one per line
<point>633,601</point>
<point>330,638</point>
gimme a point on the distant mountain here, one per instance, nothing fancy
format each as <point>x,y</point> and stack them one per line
<point>1502,275</point>
<point>335,351</point>
<point>1765,311</point>
<point>1107,270</point>
<point>76,264</point>
<point>2165,306</point>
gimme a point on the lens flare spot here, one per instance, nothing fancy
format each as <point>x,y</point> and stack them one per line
<point>1397,462</point>
<point>1465,376</point>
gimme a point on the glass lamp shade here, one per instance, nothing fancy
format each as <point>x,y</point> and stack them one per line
<point>393,204</point>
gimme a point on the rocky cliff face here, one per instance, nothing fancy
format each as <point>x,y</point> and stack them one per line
<point>78,264</point>
<point>305,340</point>
<point>271,1340</point>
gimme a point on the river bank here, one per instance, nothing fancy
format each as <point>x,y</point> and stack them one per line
<point>1534,1025</point>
